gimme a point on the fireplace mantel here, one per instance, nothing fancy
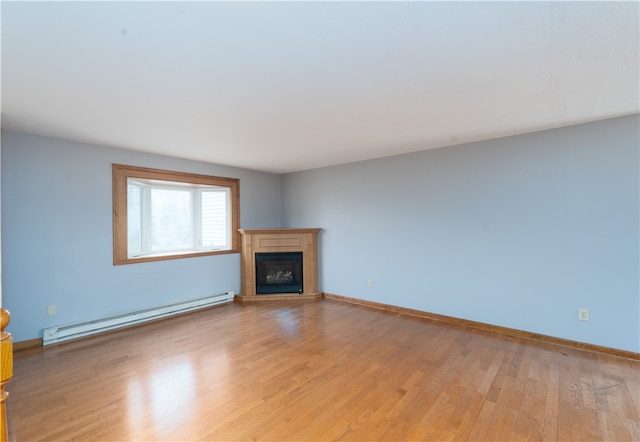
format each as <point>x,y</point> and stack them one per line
<point>254,241</point>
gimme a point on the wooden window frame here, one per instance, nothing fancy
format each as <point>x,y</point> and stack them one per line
<point>122,172</point>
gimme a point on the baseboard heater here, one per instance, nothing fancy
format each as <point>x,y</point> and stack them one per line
<point>61,333</point>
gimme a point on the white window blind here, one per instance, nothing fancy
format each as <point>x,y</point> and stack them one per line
<point>215,218</point>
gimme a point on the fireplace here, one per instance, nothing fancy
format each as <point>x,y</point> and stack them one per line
<point>279,264</point>
<point>279,273</point>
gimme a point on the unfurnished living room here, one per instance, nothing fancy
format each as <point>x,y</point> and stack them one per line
<point>315,221</point>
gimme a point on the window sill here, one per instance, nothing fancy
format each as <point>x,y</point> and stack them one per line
<point>168,256</point>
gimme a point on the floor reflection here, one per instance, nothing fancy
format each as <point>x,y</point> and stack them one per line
<point>164,400</point>
<point>289,322</point>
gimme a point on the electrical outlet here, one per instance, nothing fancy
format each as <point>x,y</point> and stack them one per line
<point>583,314</point>
<point>369,282</point>
<point>51,310</point>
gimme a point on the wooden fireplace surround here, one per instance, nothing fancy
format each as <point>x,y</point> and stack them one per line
<point>254,241</point>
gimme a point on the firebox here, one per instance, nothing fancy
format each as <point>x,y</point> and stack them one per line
<point>279,273</point>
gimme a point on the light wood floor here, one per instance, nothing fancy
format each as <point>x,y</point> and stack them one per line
<point>321,370</point>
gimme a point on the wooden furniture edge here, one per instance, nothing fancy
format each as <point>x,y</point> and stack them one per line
<point>25,345</point>
<point>486,327</point>
<point>6,371</point>
<point>242,299</point>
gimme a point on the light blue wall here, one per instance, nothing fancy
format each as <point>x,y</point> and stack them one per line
<point>57,234</point>
<point>518,232</point>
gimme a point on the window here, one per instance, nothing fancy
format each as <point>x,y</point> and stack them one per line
<point>160,214</point>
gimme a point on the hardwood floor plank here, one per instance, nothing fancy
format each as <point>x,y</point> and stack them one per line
<point>315,371</point>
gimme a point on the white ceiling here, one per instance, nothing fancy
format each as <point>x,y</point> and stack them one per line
<point>288,86</point>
